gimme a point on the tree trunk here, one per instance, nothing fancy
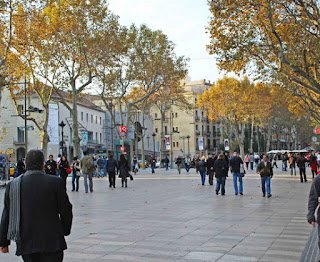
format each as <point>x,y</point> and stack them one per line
<point>258,140</point>
<point>241,140</point>
<point>75,125</point>
<point>44,135</point>
<point>251,136</point>
<point>269,135</point>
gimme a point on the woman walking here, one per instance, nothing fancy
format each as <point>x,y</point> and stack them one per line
<point>75,174</point>
<point>313,165</point>
<point>220,167</point>
<point>247,160</point>
<point>124,169</point>
<point>64,168</point>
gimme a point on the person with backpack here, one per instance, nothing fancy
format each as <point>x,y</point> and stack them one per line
<point>112,167</point>
<point>100,166</point>
<point>87,167</point>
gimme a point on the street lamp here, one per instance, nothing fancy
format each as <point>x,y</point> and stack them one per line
<point>154,144</point>
<point>188,137</point>
<point>148,137</point>
<point>62,125</point>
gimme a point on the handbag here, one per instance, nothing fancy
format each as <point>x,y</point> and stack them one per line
<point>68,170</point>
<point>242,170</point>
<point>131,177</point>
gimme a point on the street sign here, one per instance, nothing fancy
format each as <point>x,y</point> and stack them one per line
<point>316,131</point>
<point>314,139</point>
<point>123,131</point>
<point>226,145</point>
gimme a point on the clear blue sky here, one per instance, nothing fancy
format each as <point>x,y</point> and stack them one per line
<point>184,21</point>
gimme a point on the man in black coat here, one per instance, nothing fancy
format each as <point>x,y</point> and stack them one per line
<point>37,213</point>
<point>51,166</point>
<point>209,167</point>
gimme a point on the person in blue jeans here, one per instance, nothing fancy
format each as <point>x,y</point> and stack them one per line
<point>265,170</point>
<point>220,167</point>
<point>235,163</point>
<point>202,170</point>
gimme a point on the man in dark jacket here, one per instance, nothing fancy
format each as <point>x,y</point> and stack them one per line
<point>301,163</point>
<point>235,163</point>
<point>209,167</point>
<point>51,166</point>
<point>265,170</point>
<point>312,205</point>
<point>220,167</point>
<point>37,213</point>
<point>112,167</point>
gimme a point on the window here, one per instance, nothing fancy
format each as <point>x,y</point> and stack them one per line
<point>156,130</point>
<point>90,136</point>
<point>96,137</point>
<point>96,119</point>
<point>208,128</point>
<point>174,144</point>
<point>20,110</point>
<point>176,114</point>
<point>155,115</point>
<point>81,116</point>
<point>87,117</point>
<point>177,144</point>
<point>177,129</point>
<point>100,120</point>
<point>21,134</point>
<point>165,130</point>
<point>172,115</point>
<point>172,129</point>
<point>100,140</point>
<point>197,128</point>
<point>91,118</point>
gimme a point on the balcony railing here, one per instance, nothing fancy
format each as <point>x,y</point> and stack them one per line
<point>18,142</point>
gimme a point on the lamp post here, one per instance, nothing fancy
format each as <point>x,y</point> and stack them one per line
<point>62,125</point>
<point>154,144</point>
<point>188,137</point>
<point>25,116</point>
<point>148,137</point>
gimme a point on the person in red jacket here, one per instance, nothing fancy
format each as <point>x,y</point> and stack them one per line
<point>313,165</point>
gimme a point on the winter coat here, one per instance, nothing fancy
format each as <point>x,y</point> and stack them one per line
<point>124,169</point>
<point>220,167</point>
<point>265,170</point>
<point>235,164</point>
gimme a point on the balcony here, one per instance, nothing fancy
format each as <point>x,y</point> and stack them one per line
<point>19,142</point>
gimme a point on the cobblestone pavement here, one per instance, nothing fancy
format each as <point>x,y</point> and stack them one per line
<point>171,217</point>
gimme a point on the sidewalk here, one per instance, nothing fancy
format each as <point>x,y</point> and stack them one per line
<point>170,217</point>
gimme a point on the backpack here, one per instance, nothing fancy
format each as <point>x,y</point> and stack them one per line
<point>100,163</point>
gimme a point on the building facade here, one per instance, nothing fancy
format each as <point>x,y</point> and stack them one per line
<point>13,140</point>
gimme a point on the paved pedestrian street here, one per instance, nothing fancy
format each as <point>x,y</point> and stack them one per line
<point>171,217</point>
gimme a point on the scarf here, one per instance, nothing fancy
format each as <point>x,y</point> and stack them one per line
<point>14,209</point>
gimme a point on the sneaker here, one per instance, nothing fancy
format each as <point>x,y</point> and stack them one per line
<point>269,195</point>
<point>264,195</point>
<point>217,192</point>
<point>241,194</point>
<point>236,194</point>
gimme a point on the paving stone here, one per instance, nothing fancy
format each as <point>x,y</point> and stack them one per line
<point>167,217</point>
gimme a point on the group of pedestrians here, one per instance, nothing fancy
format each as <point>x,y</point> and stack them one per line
<point>218,166</point>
